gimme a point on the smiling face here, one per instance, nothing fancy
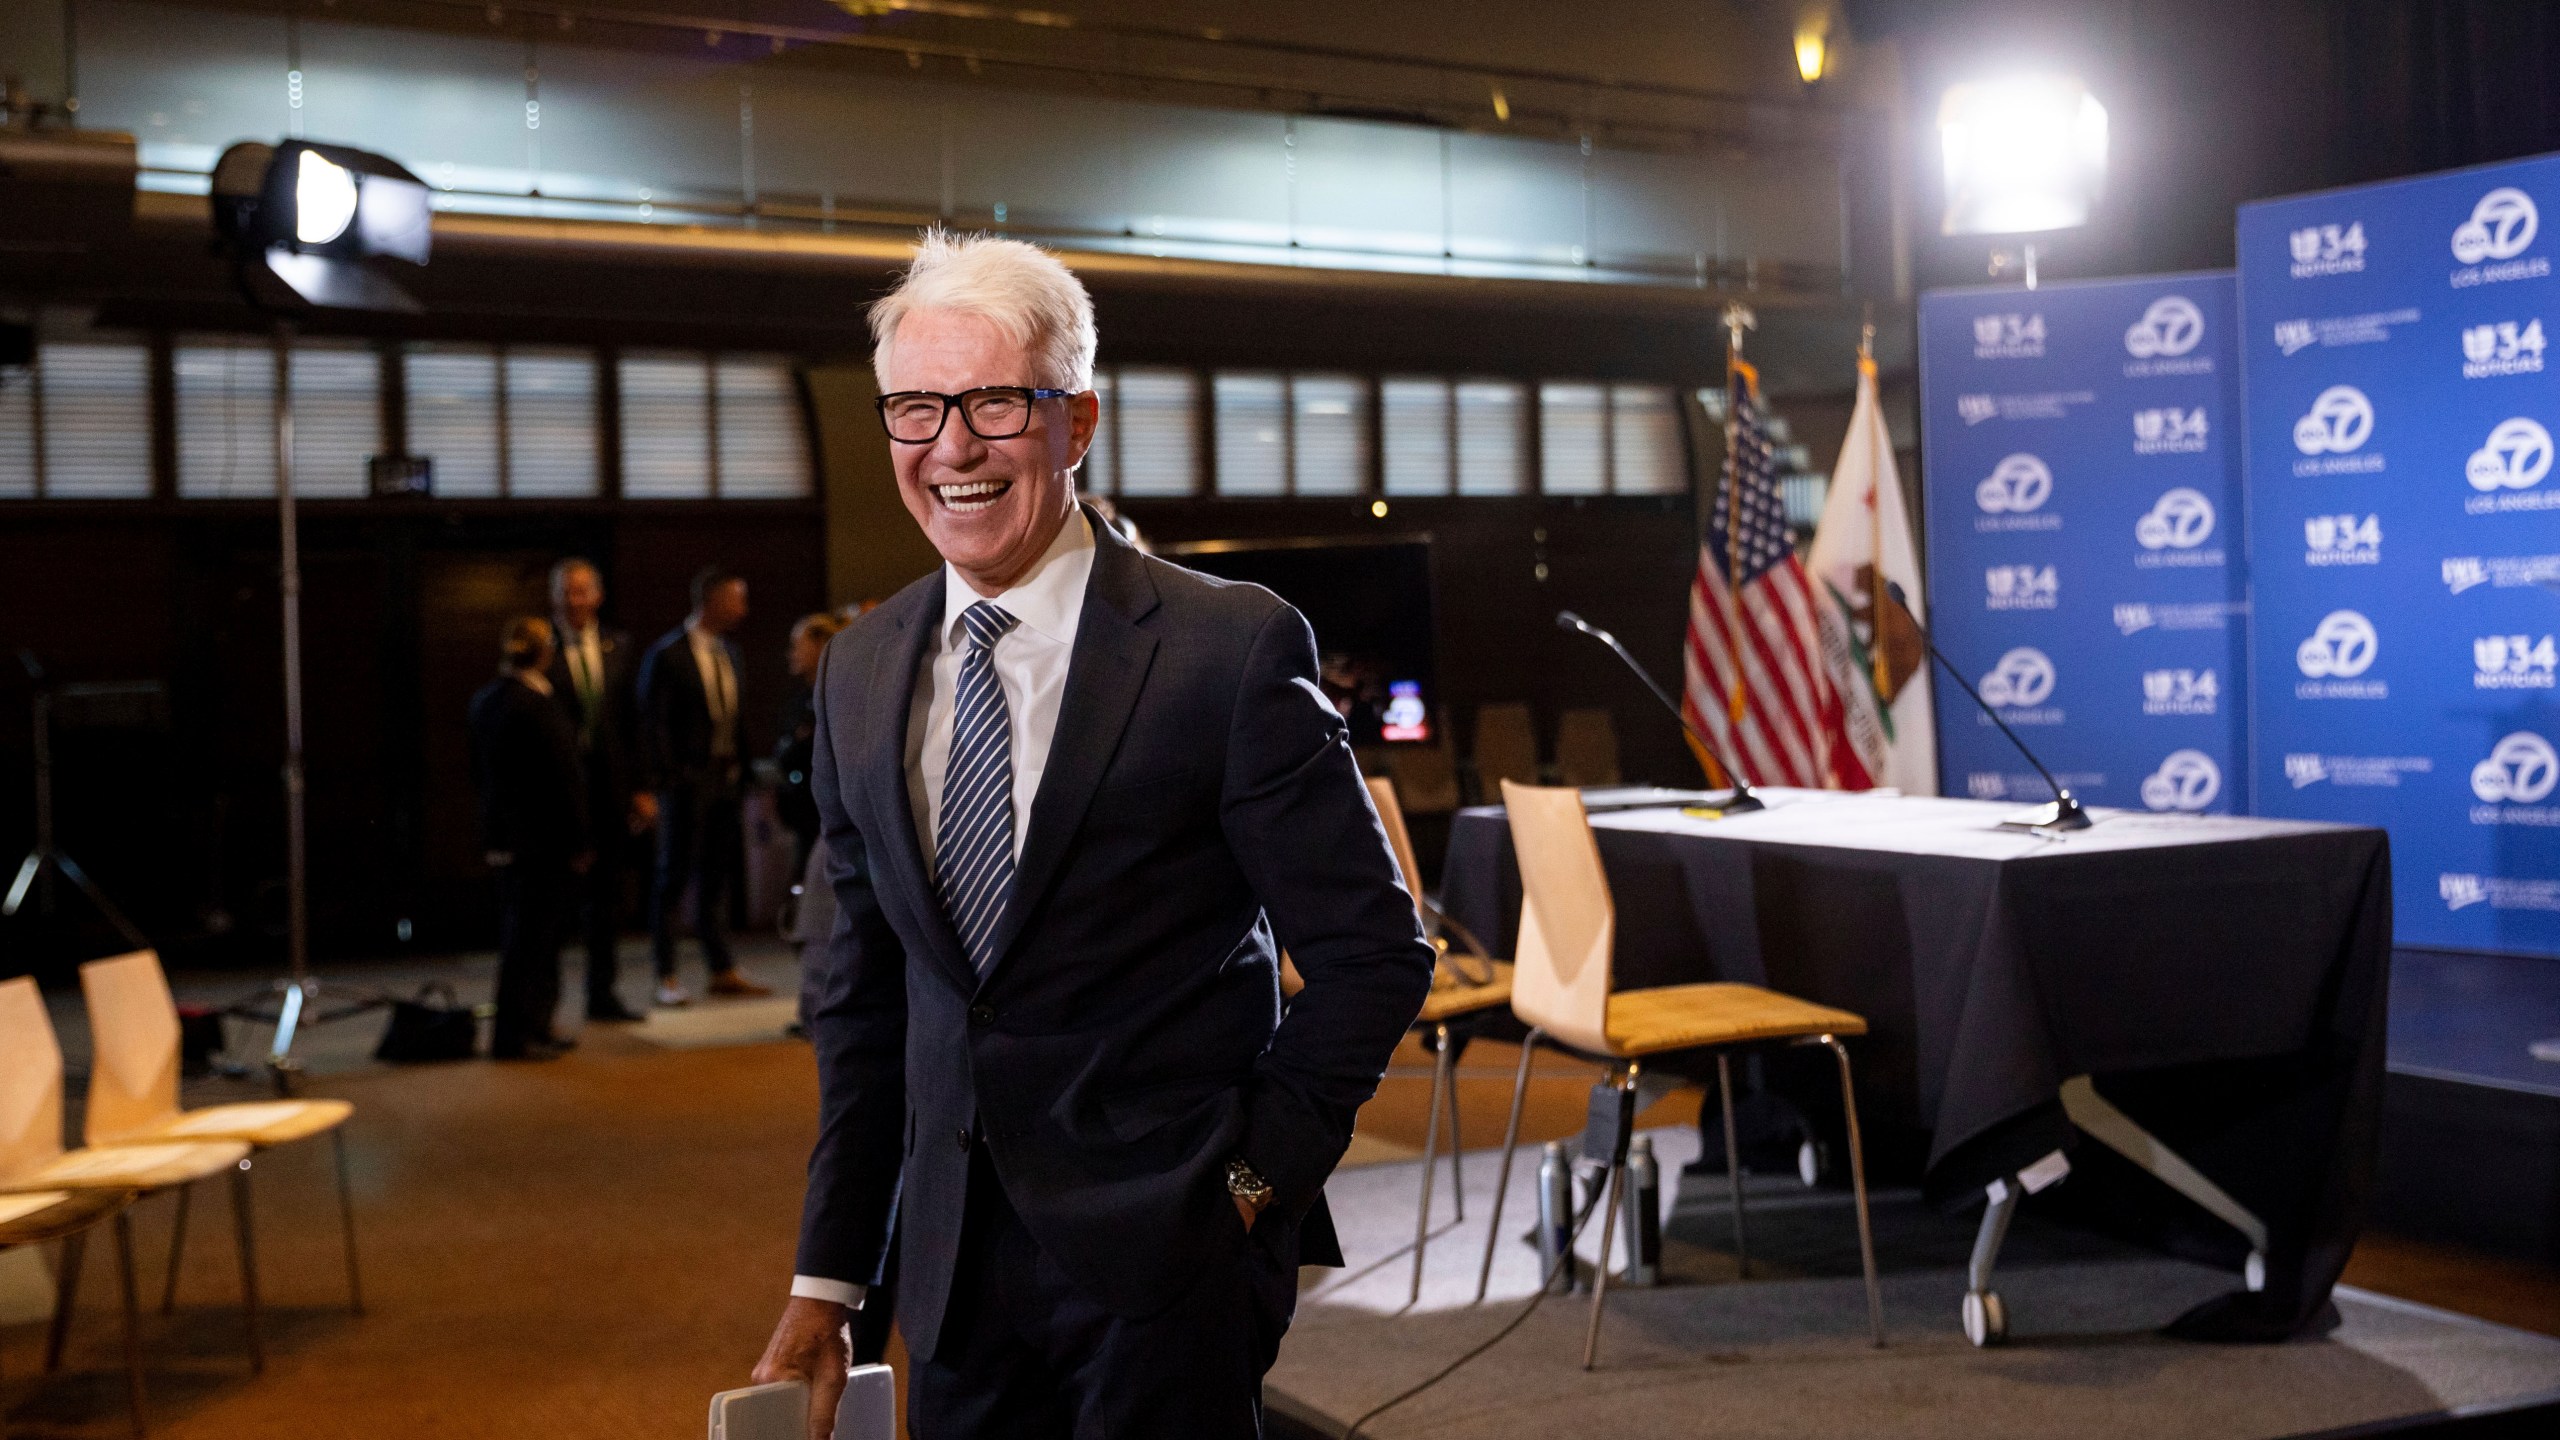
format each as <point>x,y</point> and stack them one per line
<point>990,507</point>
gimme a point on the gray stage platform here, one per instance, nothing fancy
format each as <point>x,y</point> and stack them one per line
<point>1785,1353</point>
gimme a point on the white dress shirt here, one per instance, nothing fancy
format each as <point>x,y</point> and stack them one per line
<point>586,661</point>
<point>1031,663</point>
<point>719,689</point>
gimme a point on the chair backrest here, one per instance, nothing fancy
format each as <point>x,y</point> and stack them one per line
<point>133,1037</point>
<point>1506,747</point>
<point>1561,971</point>
<point>1382,794</point>
<point>30,1081</point>
<point>1587,747</point>
<point>1426,775</point>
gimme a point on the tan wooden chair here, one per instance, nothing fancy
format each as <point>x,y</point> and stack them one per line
<point>1586,748</point>
<point>1426,774</point>
<point>1464,987</point>
<point>133,1097</point>
<point>1562,988</point>
<point>67,1216</point>
<point>32,1157</point>
<point>1506,748</point>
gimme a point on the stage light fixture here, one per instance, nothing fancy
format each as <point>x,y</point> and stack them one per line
<point>2023,154</point>
<point>311,215</point>
<point>1813,53</point>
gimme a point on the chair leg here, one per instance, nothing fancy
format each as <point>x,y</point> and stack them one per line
<point>132,1318</point>
<point>66,1292</point>
<point>347,1222</point>
<point>1430,1157</point>
<point>1600,1272</point>
<point>177,1249</point>
<point>245,1226</point>
<point>1457,1147</point>
<point>1732,1166</point>
<point>1510,1142</point>
<point>1858,1181</point>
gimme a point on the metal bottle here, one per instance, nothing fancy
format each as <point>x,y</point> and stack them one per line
<point>1641,1214</point>
<point>1555,1218</point>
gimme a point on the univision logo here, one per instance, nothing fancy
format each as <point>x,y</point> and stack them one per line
<point>2521,769</point>
<point>2342,646</point>
<point>2171,326</point>
<point>2505,348</point>
<point>2022,679</point>
<point>2181,519</point>
<point>2327,250</point>
<point>2008,337</point>
<point>2169,431</point>
<point>2517,456</point>
<point>2187,780</point>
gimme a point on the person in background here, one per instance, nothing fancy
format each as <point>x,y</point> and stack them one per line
<point>533,828</point>
<point>798,730</point>
<point>690,754</point>
<point>591,674</point>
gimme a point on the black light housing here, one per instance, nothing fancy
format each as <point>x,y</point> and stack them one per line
<point>312,214</point>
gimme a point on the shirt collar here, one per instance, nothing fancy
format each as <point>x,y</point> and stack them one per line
<point>535,681</point>
<point>1049,600</point>
<point>699,638</point>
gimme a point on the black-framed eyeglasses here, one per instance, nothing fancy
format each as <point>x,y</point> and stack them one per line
<point>992,412</point>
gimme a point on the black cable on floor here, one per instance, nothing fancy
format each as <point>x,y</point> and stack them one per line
<point>1563,1262</point>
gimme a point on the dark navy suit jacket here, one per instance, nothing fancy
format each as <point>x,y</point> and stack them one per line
<point>1199,811</point>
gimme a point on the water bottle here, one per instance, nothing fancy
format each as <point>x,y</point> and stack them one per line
<point>1641,1213</point>
<point>1555,1218</point>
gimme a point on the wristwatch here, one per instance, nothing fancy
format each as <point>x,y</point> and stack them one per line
<point>1248,1186</point>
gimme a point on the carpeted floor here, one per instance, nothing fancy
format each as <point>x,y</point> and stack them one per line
<point>587,1249</point>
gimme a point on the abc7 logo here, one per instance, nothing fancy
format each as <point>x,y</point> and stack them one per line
<point>2517,456</point>
<point>2023,677</point>
<point>2172,326</point>
<point>2340,420</point>
<point>2181,520</point>
<point>2522,768</point>
<point>2016,485</point>
<point>2501,225</point>
<point>2187,780</point>
<point>2343,644</point>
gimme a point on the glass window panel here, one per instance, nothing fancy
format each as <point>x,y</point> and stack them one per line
<point>1094,476</point>
<point>551,423</point>
<point>1329,442</point>
<point>764,439</point>
<point>17,432</point>
<point>1490,413</point>
<point>1644,446</point>
<point>96,421</point>
<point>337,418</point>
<point>1253,447</point>
<point>1159,432</point>
<point>666,427</point>
<point>453,416</point>
<point>1416,436</point>
<point>226,418</point>
<point>1573,439</point>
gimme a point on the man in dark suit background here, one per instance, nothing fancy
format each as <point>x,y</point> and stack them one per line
<point>533,829</point>
<point>592,674</point>
<point>1075,801</point>
<point>690,734</point>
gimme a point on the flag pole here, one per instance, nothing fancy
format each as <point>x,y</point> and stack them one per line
<point>1878,667</point>
<point>1737,318</point>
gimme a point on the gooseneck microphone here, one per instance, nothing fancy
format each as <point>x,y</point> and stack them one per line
<point>2065,812</point>
<point>1743,800</point>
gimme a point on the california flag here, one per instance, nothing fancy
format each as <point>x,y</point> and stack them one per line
<point>1871,645</point>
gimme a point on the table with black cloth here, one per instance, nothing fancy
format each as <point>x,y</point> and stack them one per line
<point>2221,979</point>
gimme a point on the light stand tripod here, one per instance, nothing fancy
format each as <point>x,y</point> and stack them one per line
<point>47,860</point>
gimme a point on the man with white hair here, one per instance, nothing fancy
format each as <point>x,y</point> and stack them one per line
<point>1075,802</point>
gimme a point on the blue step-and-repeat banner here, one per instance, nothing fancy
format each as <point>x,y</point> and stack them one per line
<point>2405,534</point>
<point>2082,457</point>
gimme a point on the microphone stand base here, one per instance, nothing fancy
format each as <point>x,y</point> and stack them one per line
<point>2063,814</point>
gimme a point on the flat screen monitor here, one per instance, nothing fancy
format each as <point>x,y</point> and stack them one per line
<point>1370,605</point>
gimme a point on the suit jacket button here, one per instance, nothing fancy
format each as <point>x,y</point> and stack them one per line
<point>982,1014</point>
<point>964,1137</point>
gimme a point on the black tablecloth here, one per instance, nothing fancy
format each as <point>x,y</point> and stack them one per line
<point>2223,980</point>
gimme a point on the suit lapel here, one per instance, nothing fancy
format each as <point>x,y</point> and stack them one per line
<point>900,855</point>
<point>1105,672</point>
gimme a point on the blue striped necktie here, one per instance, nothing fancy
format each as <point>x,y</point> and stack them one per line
<point>973,842</point>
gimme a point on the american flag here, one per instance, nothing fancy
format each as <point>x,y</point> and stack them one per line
<point>1754,679</point>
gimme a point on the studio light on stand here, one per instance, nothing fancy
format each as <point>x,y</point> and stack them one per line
<point>305,226</point>
<point>2023,156</point>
